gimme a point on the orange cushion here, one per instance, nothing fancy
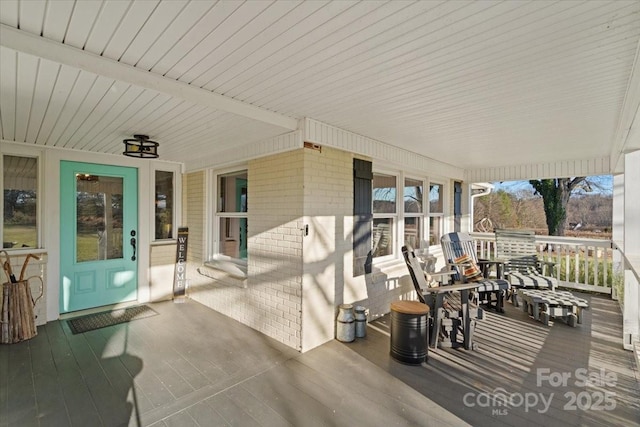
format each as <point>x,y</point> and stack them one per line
<point>470,270</point>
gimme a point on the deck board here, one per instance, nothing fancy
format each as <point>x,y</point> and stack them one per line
<point>513,352</point>
<point>192,366</point>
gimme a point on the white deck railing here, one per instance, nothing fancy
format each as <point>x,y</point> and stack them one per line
<point>630,302</point>
<point>583,264</point>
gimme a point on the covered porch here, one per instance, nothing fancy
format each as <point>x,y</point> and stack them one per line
<point>191,366</point>
<point>261,111</point>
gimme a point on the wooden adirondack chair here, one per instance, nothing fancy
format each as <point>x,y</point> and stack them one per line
<point>455,327</point>
<point>523,268</point>
<point>459,251</point>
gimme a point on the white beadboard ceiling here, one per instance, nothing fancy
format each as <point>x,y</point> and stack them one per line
<point>475,84</point>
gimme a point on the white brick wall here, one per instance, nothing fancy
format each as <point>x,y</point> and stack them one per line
<point>328,252</point>
<point>275,245</point>
<point>271,302</point>
<point>328,200</point>
<point>295,282</point>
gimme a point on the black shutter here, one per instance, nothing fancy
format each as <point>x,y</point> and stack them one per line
<point>362,217</point>
<point>457,205</point>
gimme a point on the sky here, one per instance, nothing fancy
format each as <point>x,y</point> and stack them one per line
<point>605,182</point>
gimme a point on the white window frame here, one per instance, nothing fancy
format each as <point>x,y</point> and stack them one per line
<point>395,216</point>
<point>177,197</point>
<point>214,232</point>
<point>21,151</point>
<point>419,215</point>
<point>423,217</point>
<point>440,215</point>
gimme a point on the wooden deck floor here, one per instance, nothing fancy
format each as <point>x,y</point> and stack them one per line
<point>191,366</point>
<point>551,375</point>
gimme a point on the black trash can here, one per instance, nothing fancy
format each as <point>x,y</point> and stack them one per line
<point>409,331</point>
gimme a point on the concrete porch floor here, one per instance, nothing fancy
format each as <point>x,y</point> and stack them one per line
<point>191,366</point>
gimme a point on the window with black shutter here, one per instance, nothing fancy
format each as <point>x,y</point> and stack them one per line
<point>457,205</point>
<point>362,217</point>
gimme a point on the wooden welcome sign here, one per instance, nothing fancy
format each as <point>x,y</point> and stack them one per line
<point>180,277</point>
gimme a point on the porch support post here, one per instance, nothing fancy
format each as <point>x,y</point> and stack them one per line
<point>631,312</point>
<point>617,234</point>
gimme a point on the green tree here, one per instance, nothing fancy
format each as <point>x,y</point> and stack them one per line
<point>506,207</point>
<point>555,197</point>
<point>19,206</point>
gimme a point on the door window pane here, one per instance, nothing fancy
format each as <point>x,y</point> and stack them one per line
<point>20,178</point>
<point>99,217</point>
<point>164,205</point>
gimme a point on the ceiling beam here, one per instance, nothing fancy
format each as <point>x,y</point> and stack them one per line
<point>41,47</point>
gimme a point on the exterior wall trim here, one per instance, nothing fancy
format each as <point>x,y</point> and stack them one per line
<point>321,133</point>
<point>559,169</point>
<point>279,144</point>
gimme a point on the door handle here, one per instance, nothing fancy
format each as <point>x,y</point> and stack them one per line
<point>133,244</point>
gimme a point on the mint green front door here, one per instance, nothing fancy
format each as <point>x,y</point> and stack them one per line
<point>98,235</point>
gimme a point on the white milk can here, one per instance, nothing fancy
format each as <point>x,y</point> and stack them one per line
<point>361,321</point>
<point>346,328</point>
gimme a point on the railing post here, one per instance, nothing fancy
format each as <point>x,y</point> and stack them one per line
<point>617,270</point>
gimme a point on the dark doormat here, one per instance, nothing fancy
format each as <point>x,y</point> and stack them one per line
<point>94,321</point>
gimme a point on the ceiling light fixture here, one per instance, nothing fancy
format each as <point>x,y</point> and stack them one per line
<point>141,147</point>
